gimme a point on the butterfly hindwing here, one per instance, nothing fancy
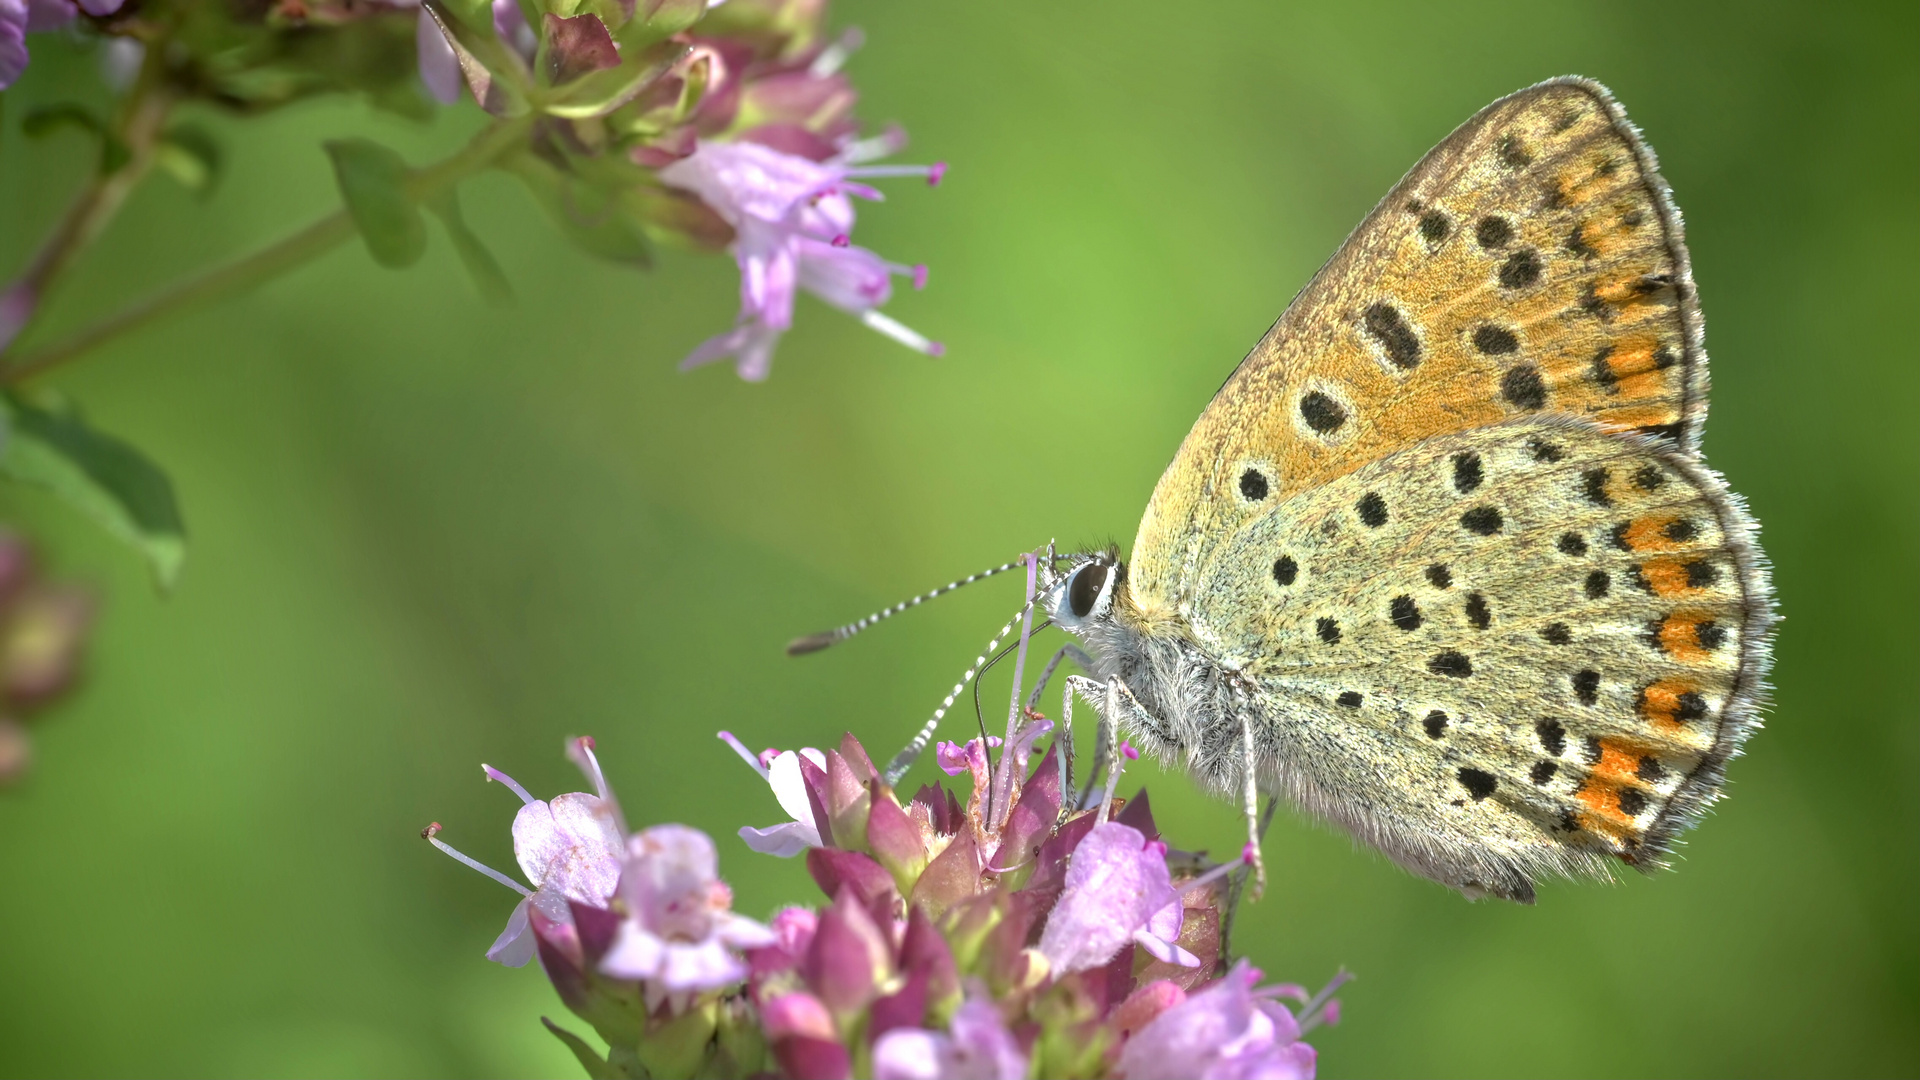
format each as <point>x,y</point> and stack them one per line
<point>1532,263</point>
<point>1500,653</point>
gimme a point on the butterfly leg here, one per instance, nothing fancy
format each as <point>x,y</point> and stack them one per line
<point>1067,652</point>
<point>1240,882</point>
<point>1118,698</point>
<point>1250,801</point>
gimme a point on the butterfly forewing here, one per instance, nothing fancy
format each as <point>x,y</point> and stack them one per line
<point>1531,264</point>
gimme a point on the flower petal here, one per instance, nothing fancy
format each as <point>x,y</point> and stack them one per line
<point>636,953</point>
<point>45,15</point>
<point>789,787</point>
<point>908,1054</point>
<point>13,41</point>
<point>514,946</point>
<point>701,965</point>
<point>781,841</point>
<point>439,67</point>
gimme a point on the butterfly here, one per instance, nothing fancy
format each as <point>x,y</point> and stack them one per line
<point>1441,562</point>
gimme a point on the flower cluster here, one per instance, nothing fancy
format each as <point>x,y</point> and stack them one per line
<point>714,124</point>
<point>1013,934</point>
<point>43,628</point>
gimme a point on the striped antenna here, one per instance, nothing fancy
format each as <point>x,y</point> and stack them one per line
<point>904,760</point>
<point>815,642</point>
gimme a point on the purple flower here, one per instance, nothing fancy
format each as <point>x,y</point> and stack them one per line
<point>569,848</point>
<point>781,770</point>
<point>1118,889</point>
<point>1229,1031</point>
<point>976,1046</point>
<point>792,219</point>
<point>18,18</point>
<point>679,932</point>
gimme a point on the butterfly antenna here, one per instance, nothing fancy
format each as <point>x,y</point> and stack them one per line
<point>904,760</point>
<point>815,642</point>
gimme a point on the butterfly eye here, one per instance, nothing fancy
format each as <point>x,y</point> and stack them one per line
<point>1088,589</point>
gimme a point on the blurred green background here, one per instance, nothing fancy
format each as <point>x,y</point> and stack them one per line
<point>428,533</point>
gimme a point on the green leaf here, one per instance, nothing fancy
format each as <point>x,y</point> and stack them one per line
<point>480,263</point>
<point>590,1060</point>
<point>190,154</point>
<point>43,120</point>
<point>97,474</point>
<point>373,183</point>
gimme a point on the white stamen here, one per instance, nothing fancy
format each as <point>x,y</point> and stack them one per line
<point>890,141</point>
<point>836,54</point>
<point>891,170</point>
<point>458,856</point>
<point>910,338</point>
<point>746,755</point>
<point>580,751</point>
<point>512,785</point>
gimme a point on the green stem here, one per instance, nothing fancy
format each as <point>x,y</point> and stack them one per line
<point>137,127</point>
<point>269,262</point>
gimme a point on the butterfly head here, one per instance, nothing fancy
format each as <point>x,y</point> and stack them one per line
<point>1082,590</point>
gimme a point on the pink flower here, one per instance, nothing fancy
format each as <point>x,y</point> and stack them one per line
<point>1118,889</point>
<point>1229,1031</point>
<point>792,218</point>
<point>679,933</point>
<point>569,848</point>
<point>18,18</point>
<point>976,1046</point>
<point>782,771</point>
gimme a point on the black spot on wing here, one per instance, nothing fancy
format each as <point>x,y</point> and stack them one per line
<point>1285,570</point>
<point>1553,737</point>
<point>1467,472</point>
<point>1373,510</point>
<point>1386,325</point>
<point>1436,724</point>
<point>1495,340</point>
<point>1253,485</point>
<point>1523,387</point>
<point>1586,686</point>
<point>1405,613</point>
<point>1479,615</point>
<point>1593,484</point>
<point>1522,268</point>
<point>1482,520</point>
<point>1322,413</point>
<point>1478,782</point>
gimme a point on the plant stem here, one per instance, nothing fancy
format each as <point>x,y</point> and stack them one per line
<point>136,127</point>
<point>267,263</point>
